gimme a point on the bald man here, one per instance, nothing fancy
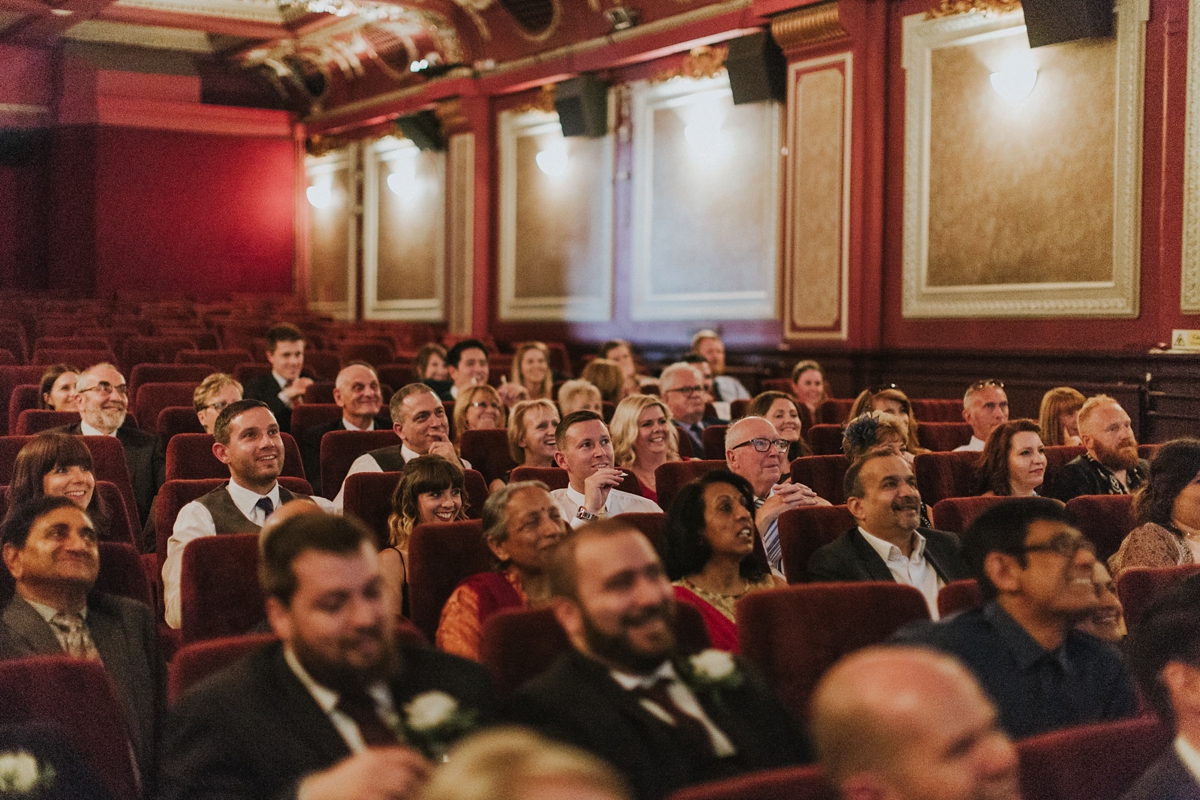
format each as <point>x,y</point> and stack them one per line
<point>358,394</point>
<point>906,723</point>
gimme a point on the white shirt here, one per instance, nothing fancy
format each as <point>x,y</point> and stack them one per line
<point>367,463</point>
<point>327,699</point>
<point>618,502</point>
<point>88,430</point>
<point>1189,756</point>
<point>915,570</point>
<point>283,382</point>
<point>683,697</point>
<point>976,445</point>
<point>195,521</point>
<point>730,388</point>
<point>350,427</point>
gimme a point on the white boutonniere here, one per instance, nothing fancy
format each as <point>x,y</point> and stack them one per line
<point>711,672</point>
<point>432,721</point>
<point>20,773</point>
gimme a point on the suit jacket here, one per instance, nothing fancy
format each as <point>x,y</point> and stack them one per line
<point>146,461</point>
<point>1167,779</point>
<point>578,702</point>
<point>310,447</point>
<point>266,388</point>
<point>124,634</point>
<point>253,730</point>
<point>696,441</point>
<point>851,558</point>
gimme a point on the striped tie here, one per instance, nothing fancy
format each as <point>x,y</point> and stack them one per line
<point>770,540</point>
<point>75,638</point>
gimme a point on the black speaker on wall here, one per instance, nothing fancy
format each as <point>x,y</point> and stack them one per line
<point>582,106</point>
<point>1054,21</point>
<point>424,129</point>
<point>757,69</point>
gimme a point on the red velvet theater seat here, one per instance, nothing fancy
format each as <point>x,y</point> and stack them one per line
<point>825,475</point>
<point>440,556</point>
<point>804,530</point>
<point>791,783</point>
<point>957,513</point>
<point>1097,761</point>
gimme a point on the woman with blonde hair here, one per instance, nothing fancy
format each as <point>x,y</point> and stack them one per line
<point>531,369</point>
<point>531,440</point>
<point>606,376</point>
<point>891,400</point>
<point>1058,418</point>
<point>478,408</point>
<point>644,439</point>
<point>430,491</point>
<point>579,395</point>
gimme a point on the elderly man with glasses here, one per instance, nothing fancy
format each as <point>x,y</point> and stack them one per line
<point>682,388</point>
<point>1034,570</point>
<point>754,450</point>
<point>103,399</point>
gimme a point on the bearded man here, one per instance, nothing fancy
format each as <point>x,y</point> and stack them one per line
<point>1111,464</point>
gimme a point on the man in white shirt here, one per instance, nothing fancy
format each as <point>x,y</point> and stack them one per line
<point>585,451</point>
<point>985,408</point>
<point>248,442</point>
<point>728,388</point>
<point>357,393</point>
<point>888,544</point>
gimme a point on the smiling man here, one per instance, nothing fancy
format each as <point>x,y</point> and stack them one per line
<point>1035,572</point>
<point>625,693</point>
<point>285,385</point>
<point>585,451</point>
<point>358,394</point>
<point>248,442</point>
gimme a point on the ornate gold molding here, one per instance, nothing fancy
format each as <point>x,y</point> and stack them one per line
<point>544,101</point>
<point>450,114</point>
<point>808,26</point>
<point>701,62</point>
<point>949,8</point>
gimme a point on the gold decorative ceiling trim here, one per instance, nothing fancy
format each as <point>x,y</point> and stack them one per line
<point>950,8</point>
<point>543,101</point>
<point>701,62</point>
<point>450,113</point>
<point>808,26</point>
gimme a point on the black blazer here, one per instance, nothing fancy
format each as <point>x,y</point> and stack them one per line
<point>1167,779</point>
<point>310,447</point>
<point>578,702</point>
<point>146,461</point>
<point>266,389</point>
<point>851,558</point>
<point>253,730</point>
<point>124,634</point>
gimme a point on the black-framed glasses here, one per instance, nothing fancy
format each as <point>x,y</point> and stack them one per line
<point>1065,545</point>
<point>762,445</point>
<point>104,387</point>
<point>977,385</point>
<point>688,389</point>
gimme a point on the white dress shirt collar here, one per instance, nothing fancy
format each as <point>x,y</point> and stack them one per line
<point>246,500</point>
<point>88,430</point>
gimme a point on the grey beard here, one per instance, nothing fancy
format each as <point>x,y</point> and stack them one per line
<point>107,420</point>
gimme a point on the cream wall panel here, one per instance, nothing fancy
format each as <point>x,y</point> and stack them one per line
<point>332,233</point>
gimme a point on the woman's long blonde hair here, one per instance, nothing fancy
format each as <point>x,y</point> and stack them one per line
<point>546,390</point>
<point>624,428</point>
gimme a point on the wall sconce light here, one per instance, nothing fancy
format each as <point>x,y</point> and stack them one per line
<point>1016,78</point>
<point>320,195</point>
<point>704,134</point>
<point>621,19</point>
<point>553,160</point>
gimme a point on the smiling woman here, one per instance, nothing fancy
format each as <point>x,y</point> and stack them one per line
<point>58,464</point>
<point>644,439</point>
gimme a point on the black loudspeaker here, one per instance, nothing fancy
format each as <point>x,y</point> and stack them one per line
<point>1054,21</point>
<point>582,106</point>
<point>20,147</point>
<point>757,69</point>
<point>424,130</point>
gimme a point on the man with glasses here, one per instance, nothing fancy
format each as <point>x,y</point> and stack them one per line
<point>682,388</point>
<point>585,451</point>
<point>985,408</point>
<point>103,399</point>
<point>212,395</point>
<point>754,450</point>
<point>1034,570</point>
<point>887,544</point>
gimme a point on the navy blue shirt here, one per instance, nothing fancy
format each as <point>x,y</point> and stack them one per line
<point>1035,690</point>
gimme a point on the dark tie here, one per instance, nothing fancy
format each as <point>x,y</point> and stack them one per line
<point>78,642</point>
<point>266,505</point>
<point>691,729</point>
<point>359,707</point>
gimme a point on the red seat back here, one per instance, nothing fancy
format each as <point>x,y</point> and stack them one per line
<point>320,393</point>
<point>12,377</point>
<point>80,357</point>
<point>825,475</point>
<point>249,370</point>
<point>396,374</point>
<point>190,457</point>
<point>1137,586</point>
<point>738,409</point>
<point>152,398</point>
<point>553,477</point>
<point>487,450</point>
<point>959,596</point>
<point>804,530</point>
<point>153,349</point>
<point>119,526</point>
<point>941,475</point>
<point>826,440</point>
<point>1098,761</point>
<point>165,373</point>
<point>218,586</point>
<point>790,783</point>
<point>308,415</point>
<point>796,633</point>
<point>779,385</point>
<point>714,442</point>
<point>937,410</point>
<point>957,513</point>
<point>323,364</point>
<point>836,410</point>
<point>340,448</point>
<point>33,421</point>
<point>943,436</point>
<point>177,419</point>
<point>373,352</point>
<point>34,690</point>
<point>220,360</point>
<point>1106,519</point>
<point>195,662</point>
<point>440,556</point>
<point>27,395</point>
<point>650,524</point>
<point>674,475</point>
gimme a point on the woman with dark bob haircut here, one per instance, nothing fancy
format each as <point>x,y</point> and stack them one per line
<point>1167,509</point>
<point>58,464</point>
<point>710,536</point>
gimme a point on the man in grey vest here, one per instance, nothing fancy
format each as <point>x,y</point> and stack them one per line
<point>248,442</point>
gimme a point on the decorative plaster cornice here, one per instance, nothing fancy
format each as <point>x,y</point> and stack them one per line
<point>810,25</point>
<point>701,62</point>
<point>949,8</point>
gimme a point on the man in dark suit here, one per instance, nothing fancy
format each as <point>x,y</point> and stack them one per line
<point>1164,654</point>
<point>51,551</point>
<point>1111,464</point>
<point>284,386</point>
<point>682,389</point>
<point>357,393</point>
<point>624,693</point>
<point>317,714</point>
<point>102,399</point>
<point>888,544</point>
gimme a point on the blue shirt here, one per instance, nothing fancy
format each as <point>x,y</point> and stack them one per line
<point>1035,690</point>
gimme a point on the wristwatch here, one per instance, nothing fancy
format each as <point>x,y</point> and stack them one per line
<point>586,515</point>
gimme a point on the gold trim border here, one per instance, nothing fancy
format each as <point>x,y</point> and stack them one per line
<point>807,26</point>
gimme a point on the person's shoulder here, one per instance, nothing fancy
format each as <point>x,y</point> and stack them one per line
<point>968,627</point>
<point>1166,779</point>
<point>935,536</point>
<point>117,604</point>
<point>635,502</point>
<point>135,436</point>
<point>241,680</point>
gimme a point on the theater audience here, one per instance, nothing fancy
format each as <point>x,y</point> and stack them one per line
<point>1167,511</point>
<point>625,693</point>
<point>682,388</point>
<point>985,406</point>
<point>783,411</point>
<point>57,391</point>
<point>1013,462</point>
<point>467,364</point>
<point>430,369</point>
<point>50,549</point>
<point>708,343</point>
<point>883,432</point>
<point>478,408</point>
<point>1035,573</point>
<point>810,388</point>
<point>585,451</point>
<point>316,714</point>
<point>644,439</point>
<point>357,393</point>
<point>521,523</point>
<point>212,395</point>
<point>431,490</point>
<point>531,370</point>
<point>903,723</point>
<point>890,400</point>
<point>1107,622</point>
<point>58,465</point>
<point>1059,417</point>
<point>621,351</point>
<point>284,386</point>
<point>1111,464</point>
<point>888,543</point>
<point>709,533</point>
<point>578,395</point>
<point>606,376</point>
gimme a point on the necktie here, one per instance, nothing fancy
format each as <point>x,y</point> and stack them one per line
<point>265,505</point>
<point>359,707</point>
<point>690,728</point>
<point>78,642</point>
<point>770,539</point>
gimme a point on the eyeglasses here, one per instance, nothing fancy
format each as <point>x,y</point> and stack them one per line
<point>486,404</point>
<point>1065,545</point>
<point>977,385</point>
<point>688,389</point>
<point>217,406</point>
<point>763,445</point>
<point>104,387</point>
<point>883,387</point>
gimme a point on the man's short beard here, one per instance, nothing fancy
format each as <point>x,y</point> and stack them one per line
<point>341,677</point>
<point>105,419</point>
<point>1123,456</point>
<point>618,650</point>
